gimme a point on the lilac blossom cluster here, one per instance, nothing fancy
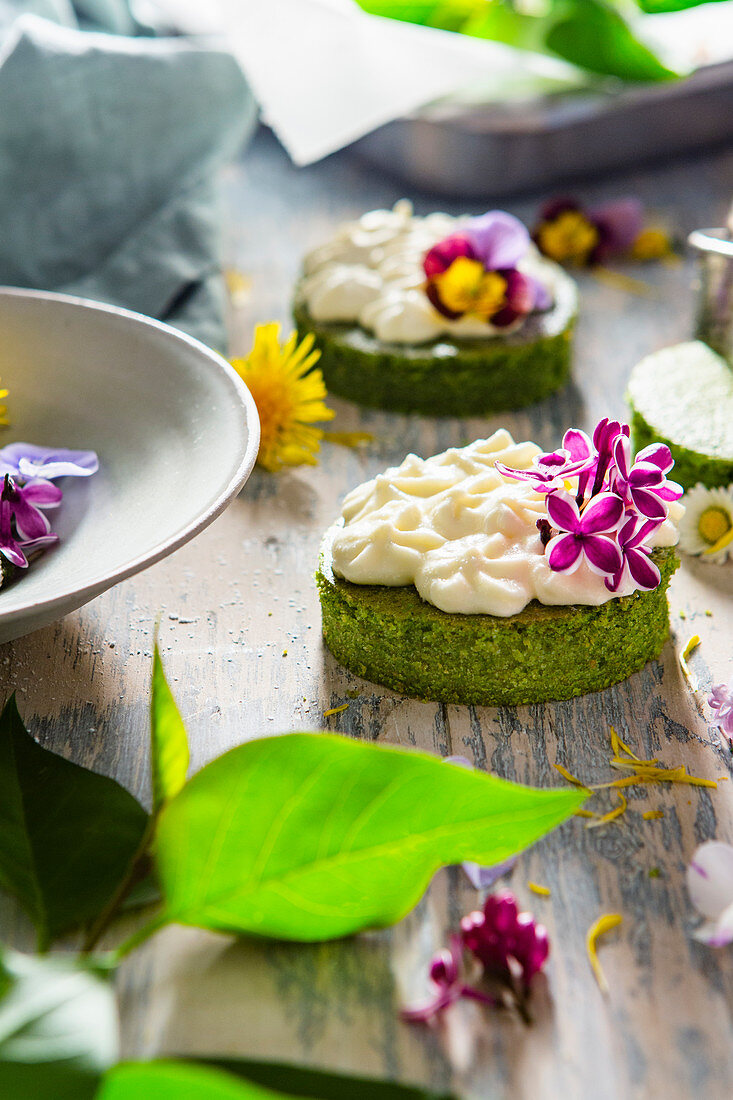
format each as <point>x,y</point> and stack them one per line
<point>28,492</point>
<point>615,507</point>
<point>509,947</point>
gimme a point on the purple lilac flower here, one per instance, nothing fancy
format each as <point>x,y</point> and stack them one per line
<point>549,471</point>
<point>635,555</point>
<point>720,702</point>
<point>710,883</point>
<point>446,978</point>
<point>588,537</point>
<point>501,933</point>
<point>27,461</point>
<point>25,504</point>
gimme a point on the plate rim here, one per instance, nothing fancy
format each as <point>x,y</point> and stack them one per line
<point>99,584</point>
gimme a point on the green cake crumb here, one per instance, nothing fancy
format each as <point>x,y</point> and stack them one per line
<point>449,377</point>
<point>392,637</point>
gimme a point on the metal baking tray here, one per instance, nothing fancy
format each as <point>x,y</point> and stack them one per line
<point>493,150</point>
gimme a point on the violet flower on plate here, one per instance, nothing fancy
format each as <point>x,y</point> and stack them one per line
<point>710,884</point>
<point>27,492</point>
<point>474,272</point>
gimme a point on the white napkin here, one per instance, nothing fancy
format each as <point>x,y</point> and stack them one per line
<point>325,73</point>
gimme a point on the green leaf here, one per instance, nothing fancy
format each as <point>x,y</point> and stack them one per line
<point>594,36</point>
<point>655,7</point>
<point>310,836</point>
<point>58,1029</point>
<point>67,835</point>
<point>317,1084</point>
<point>178,1081</point>
<point>169,740</point>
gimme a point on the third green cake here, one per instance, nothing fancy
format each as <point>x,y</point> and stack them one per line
<point>683,396</point>
<point>494,574</point>
<point>437,315</point>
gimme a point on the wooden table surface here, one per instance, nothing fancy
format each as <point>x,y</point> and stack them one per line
<point>239,596</point>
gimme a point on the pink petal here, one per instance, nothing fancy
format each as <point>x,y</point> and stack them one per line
<point>649,504</point>
<point>563,511</point>
<point>603,513</point>
<point>564,553</point>
<point>577,444</point>
<point>659,455</point>
<point>643,570</point>
<point>710,878</point>
<point>42,493</point>
<point>622,456</point>
<point>603,554</point>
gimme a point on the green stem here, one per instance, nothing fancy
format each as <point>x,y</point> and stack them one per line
<point>134,874</point>
<point>140,936</point>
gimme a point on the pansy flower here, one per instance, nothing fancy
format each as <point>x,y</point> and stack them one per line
<point>581,236</point>
<point>474,272</point>
<point>27,460</point>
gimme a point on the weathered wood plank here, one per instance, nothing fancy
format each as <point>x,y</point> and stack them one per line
<point>242,594</point>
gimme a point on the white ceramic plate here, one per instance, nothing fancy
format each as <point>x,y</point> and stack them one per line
<point>175,429</point>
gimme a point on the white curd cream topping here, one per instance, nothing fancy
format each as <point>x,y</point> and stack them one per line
<point>371,274</point>
<point>464,534</point>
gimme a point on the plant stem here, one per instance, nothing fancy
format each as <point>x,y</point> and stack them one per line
<point>135,872</point>
<point>159,921</point>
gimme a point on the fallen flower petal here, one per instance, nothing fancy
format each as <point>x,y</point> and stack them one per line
<point>599,928</point>
<point>710,884</point>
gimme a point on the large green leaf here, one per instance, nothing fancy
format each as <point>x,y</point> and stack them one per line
<point>318,1084</point>
<point>67,835</point>
<point>593,35</point>
<point>58,1029</point>
<point>178,1081</point>
<point>169,742</point>
<point>310,836</point>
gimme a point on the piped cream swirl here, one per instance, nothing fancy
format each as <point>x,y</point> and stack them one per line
<point>463,534</point>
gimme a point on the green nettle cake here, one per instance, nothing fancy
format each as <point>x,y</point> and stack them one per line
<point>495,574</point>
<point>437,315</point>
<point>683,396</point>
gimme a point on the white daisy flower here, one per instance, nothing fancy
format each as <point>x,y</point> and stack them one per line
<point>707,525</point>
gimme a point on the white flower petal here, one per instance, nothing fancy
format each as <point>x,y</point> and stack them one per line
<point>696,501</point>
<point>710,879</point>
<point>717,933</point>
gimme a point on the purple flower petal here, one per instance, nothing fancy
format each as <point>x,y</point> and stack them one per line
<point>649,504</point>
<point>643,570</point>
<point>483,878</point>
<point>577,444</point>
<point>659,455</point>
<point>564,553</point>
<point>43,494</point>
<point>499,239</point>
<point>603,554</point>
<point>32,461</point>
<point>619,223</point>
<point>563,511</point>
<point>603,513</point>
<point>442,255</point>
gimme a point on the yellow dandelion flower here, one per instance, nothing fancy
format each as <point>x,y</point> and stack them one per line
<point>289,395</point>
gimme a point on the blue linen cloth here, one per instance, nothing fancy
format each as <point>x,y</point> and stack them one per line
<point>110,144</point>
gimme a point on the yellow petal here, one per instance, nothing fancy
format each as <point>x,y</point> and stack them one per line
<point>604,924</point>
